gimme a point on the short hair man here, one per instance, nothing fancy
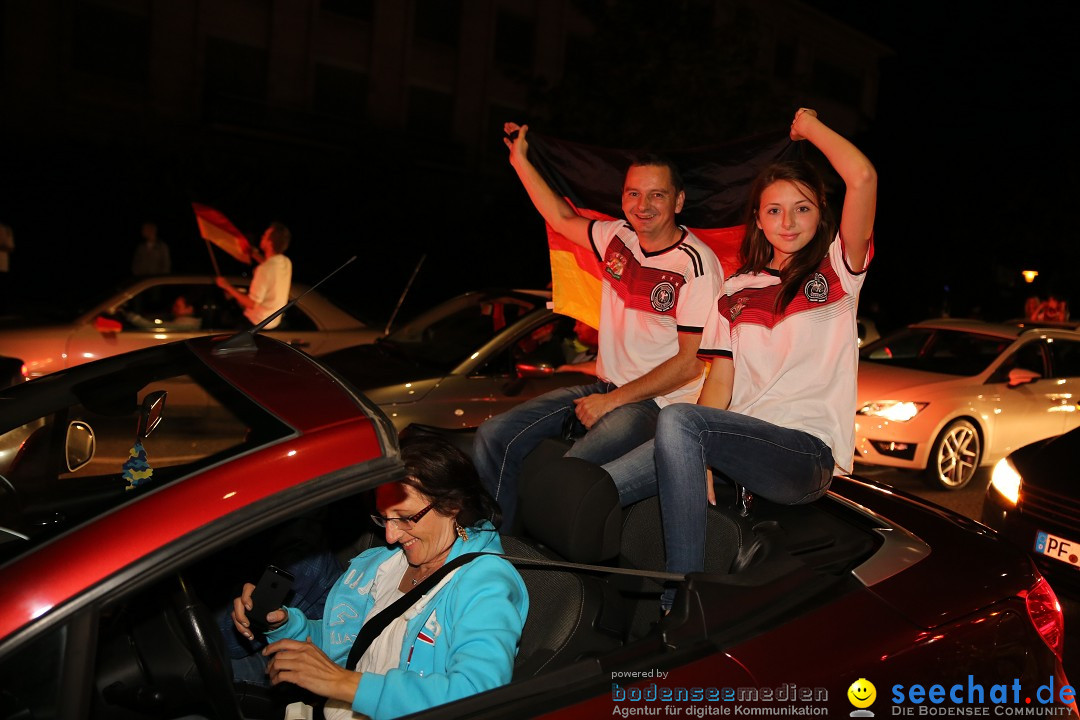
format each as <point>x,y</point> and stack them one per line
<point>270,281</point>
<point>660,285</point>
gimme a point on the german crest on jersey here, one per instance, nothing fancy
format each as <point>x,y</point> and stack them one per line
<point>662,297</point>
<point>817,289</point>
<point>616,264</point>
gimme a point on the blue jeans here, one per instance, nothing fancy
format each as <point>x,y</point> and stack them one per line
<point>779,464</point>
<point>316,573</point>
<point>503,441</point>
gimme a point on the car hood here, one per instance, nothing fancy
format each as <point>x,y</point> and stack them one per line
<point>884,382</point>
<point>1045,464</point>
<point>383,375</point>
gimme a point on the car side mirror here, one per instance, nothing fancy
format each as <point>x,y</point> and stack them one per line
<point>79,445</point>
<point>1020,376</point>
<point>106,325</point>
<point>151,412</point>
<point>534,370</point>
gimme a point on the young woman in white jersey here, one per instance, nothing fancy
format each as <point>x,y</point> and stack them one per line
<point>776,414</point>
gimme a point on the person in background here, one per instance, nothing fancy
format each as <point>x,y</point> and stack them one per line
<point>775,413</point>
<point>660,284</point>
<point>271,280</point>
<point>183,318</point>
<point>458,639</point>
<point>151,255</point>
<point>7,246</point>
<point>1053,309</point>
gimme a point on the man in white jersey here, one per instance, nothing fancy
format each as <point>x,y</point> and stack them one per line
<point>660,284</point>
<point>271,280</point>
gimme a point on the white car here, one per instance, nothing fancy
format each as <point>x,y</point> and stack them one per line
<point>140,315</point>
<point>950,395</point>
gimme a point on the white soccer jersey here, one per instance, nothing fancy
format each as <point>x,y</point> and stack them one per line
<point>648,299</point>
<point>797,369</point>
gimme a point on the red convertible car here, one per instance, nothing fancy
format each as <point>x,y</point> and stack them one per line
<point>123,522</point>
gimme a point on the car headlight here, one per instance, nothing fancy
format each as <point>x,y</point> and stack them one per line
<point>892,409</point>
<point>1006,480</point>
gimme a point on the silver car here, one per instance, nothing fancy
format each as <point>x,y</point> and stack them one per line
<point>949,395</point>
<point>471,357</point>
<point>141,315</point>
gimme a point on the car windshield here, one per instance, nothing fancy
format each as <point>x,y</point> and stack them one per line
<point>73,445</point>
<point>449,333</point>
<point>950,352</point>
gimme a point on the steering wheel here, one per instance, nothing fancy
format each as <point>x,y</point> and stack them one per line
<point>203,641</point>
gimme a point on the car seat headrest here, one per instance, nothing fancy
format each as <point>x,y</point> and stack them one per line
<point>571,506</point>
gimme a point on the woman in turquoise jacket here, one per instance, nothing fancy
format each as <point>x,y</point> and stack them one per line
<point>458,639</point>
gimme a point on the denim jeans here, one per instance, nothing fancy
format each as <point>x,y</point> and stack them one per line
<point>315,573</point>
<point>503,441</point>
<point>779,464</point>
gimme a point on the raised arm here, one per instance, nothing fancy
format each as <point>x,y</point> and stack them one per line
<point>556,211</point>
<point>859,176</point>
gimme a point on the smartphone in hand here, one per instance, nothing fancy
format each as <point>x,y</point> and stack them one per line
<point>268,595</point>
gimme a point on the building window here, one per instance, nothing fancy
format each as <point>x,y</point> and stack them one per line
<point>438,21</point>
<point>111,43</point>
<point>431,112</point>
<point>235,70</point>
<point>515,40</point>
<point>234,83</point>
<point>837,83</point>
<point>357,9</point>
<point>340,92</point>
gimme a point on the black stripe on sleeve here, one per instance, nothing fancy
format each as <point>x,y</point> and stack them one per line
<point>714,354</point>
<point>695,257</point>
<point>689,329</point>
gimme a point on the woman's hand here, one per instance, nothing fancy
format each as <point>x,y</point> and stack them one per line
<point>304,664</point>
<point>241,606</point>
<point>800,114</point>
<point>519,146</point>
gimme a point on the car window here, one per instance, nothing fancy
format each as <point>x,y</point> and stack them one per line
<point>550,344</point>
<point>77,455</point>
<point>33,674</point>
<point>296,320</point>
<point>952,352</point>
<point>1065,355</point>
<point>451,332</point>
<point>1029,356</point>
<point>174,307</point>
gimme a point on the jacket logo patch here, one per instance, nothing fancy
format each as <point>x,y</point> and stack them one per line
<point>615,265</point>
<point>662,297</point>
<point>817,289</point>
<point>737,307</point>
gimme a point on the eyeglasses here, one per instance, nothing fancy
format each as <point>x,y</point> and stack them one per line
<point>401,523</point>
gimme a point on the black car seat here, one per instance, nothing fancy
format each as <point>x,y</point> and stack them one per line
<point>570,511</point>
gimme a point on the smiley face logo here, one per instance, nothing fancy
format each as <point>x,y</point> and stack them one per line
<point>862,693</point>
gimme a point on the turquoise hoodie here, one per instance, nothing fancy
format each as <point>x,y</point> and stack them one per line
<point>459,642</point>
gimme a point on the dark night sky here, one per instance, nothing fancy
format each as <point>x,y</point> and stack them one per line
<point>976,160</point>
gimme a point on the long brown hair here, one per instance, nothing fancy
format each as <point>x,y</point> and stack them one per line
<point>756,252</point>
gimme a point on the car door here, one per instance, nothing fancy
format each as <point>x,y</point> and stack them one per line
<point>1065,367</point>
<point>1028,412</point>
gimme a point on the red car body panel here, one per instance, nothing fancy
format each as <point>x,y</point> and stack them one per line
<point>332,433</point>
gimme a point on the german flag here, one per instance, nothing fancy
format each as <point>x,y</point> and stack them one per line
<point>216,228</point>
<point>717,180</point>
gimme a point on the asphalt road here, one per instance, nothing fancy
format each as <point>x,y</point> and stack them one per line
<point>968,501</point>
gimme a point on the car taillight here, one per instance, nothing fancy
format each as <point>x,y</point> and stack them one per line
<point>1045,613</point>
<point>24,372</point>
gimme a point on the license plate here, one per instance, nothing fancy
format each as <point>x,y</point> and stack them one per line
<point>1067,551</point>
